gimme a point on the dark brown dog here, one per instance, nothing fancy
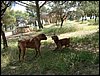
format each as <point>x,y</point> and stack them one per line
<point>35,43</point>
<point>62,42</point>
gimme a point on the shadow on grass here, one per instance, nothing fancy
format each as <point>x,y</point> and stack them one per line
<point>68,61</point>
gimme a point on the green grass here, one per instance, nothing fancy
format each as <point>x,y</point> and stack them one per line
<point>71,27</point>
<point>92,27</point>
<point>65,28</point>
<point>84,22</point>
<point>92,22</point>
<point>69,61</point>
<point>82,58</point>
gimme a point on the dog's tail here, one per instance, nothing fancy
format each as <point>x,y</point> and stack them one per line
<point>19,50</point>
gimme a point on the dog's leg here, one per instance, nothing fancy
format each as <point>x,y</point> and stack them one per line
<point>66,46</point>
<point>19,52</point>
<point>56,49</point>
<point>59,47</point>
<point>24,50</point>
<point>36,52</point>
<point>39,52</point>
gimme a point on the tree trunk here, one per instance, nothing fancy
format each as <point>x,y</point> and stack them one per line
<point>61,22</point>
<point>5,27</point>
<point>56,21</point>
<point>6,5</point>
<point>62,19</point>
<point>4,38</point>
<point>95,18</point>
<point>82,18</point>
<point>38,15</point>
<point>85,18</point>
<point>90,16</point>
<point>49,21</point>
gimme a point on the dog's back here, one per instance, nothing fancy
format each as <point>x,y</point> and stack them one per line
<point>64,41</point>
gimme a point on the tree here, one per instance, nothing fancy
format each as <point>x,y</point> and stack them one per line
<point>8,19</point>
<point>20,15</point>
<point>56,11</point>
<point>90,8</point>
<point>4,6</point>
<point>36,6</point>
<point>62,10</point>
<point>79,14</point>
<point>38,14</point>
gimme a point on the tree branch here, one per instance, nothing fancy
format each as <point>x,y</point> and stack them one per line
<point>25,4</point>
<point>32,2</point>
<point>63,2</point>
<point>43,4</point>
<point>3,9</point>
<point>2,12</point>
<point>22,4</point>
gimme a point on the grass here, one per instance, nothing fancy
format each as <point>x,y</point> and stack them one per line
<point>70,27</point>
<point>90,22</point>
<point>84,22</point>
<point>92,27</point>
<point>58,30</point>
<point>68,61</point>
<point>82,58</point>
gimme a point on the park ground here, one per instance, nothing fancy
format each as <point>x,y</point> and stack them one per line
<point>82,58</point>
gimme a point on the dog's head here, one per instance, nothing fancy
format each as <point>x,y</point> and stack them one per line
<point>55,37</point>
<point>38,37</point>
<point>42,37</point>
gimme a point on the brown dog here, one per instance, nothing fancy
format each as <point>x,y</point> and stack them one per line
<point>62,42</point>
<point>31,43</point>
